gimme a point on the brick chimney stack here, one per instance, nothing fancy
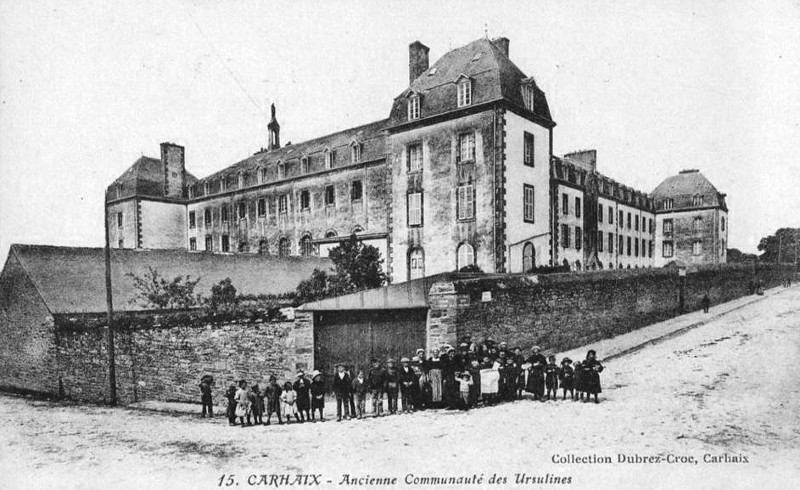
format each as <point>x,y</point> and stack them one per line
<point>274,130</point>
<point>417,60</point>
<point>501,43</point>
<point>172,158</point>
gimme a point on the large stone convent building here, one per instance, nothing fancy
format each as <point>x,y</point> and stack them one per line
<point>462,172</point>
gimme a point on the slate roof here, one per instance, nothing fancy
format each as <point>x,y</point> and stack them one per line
<point>144,178</point>
<point>493,75</point>
<point>371,137</point>
<point>681,188</point>
<point>72,279</point>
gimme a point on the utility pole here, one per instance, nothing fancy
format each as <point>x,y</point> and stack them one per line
<point>112,371</point>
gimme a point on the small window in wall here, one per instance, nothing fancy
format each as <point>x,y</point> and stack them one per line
<point>578,266</point>
<point>466,256</point>
<point>528,209</point>
<point>528,154</point>
<point>355,152</point>
<point>414,209</point>
<point>666,249</point>
<point>621,220</point>
<point>284,248</point>
<point>465,152</point>
<point>564,204</point>
<point>304,165</point>
<point>281,170</point>
<point>644,248</point>
<point>629,248</point>
<point>192,219</point>
<point>697,247</point>
<point>330,159</point>
<point>241,180</point>
<point>636,248</point>
<point>262,207</point>
<point>414,157</point>
<point>193,243</point>
<point>577,207</point>
<point>223,184</point>
<point>413,107</point>
<point>621,247</point>
<point>578,238</point>
<point>610,215</point>
<point>667,226</point>
<point>306,246</point>
<point>207,217</point>
<point>599,241</point>
<point>283,204</point>
<point>465,202</point>
<point>242,210</point>
<point>416,264</point>
<point>263,248</point>
<point>262,176</point>
<point>305,200</point>
<point>565,236</point>
<point>629,221</point>
<point>226,243</point>
<point>611,243</point>
<point>206,188</point>
<point>636,222</point>
<point>121,243</point>
<point>356,191</point>
<point>722,223</point>
<point>224,212</point>
<point>209,243</point>
<point>330,196</point>
<point>697,200</point>
<point>464,93</point>
<point>119,220</point>
<point>528,257</point>
<point>600,213</point>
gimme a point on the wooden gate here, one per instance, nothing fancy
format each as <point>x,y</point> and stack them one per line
<point>353,337</point>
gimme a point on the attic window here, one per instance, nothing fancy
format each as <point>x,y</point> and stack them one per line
<point>528,96</point>
<point>206,188</point>
<point>263,175</point>
<point>355,152</point>
<point>241,180</point>
<point>281,170</point>
<point>464,92</point>
<point>329,159</point>
<point>223,184</point>
<point>413,107</point>
<point>304,165</point>
<point>191,191</point>
<point>119,190</point>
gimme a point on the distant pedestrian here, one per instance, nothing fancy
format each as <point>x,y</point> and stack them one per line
<point>360,389</point>
<point>205,395</point>
<point>342,388</point>
<point>317,396</point>
<point>302,387</point>
<point>243,403</point>
<point>272,394</point>
<point>377,386</point>
<point>706,302</point>
<point>592,369</point>
<point>230,395</point>
<point>289,403</point>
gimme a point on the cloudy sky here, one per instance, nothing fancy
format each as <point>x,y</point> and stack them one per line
<point>86,87</point>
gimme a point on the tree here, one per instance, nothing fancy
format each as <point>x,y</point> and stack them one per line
<point>780,247</point>
<point>223,296</point>
<point>157,292</point>
<point>312,289</point>
<point>736,256</point>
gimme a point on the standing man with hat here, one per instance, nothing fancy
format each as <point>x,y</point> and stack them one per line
<point>342,388</point>
<point>376,380</point>
<point>301,388</point>
<point>409,384</point>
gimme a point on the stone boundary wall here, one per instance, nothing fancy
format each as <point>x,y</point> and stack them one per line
<point>563,311</point>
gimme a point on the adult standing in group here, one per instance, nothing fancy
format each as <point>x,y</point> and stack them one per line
<point>536,376</point>
<point>302,387</point>
<point>592,369</point>
<point>342,388</point>
<point>409,385</point>
<point>376,381</point>
<point>434,366</point>
<point>205,395</point>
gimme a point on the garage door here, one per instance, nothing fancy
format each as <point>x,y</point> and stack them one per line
<point>353,337</point>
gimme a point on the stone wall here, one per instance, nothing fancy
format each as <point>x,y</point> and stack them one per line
<point>166,363</point>
<point>563,311</point>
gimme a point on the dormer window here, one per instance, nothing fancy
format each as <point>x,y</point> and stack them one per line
<point>668,203</point>
<point>528,94</point>
<point>697,200</point>
<point>304,165</point>
<point>413,107</point>
<point>241,180</point>
<point>355,152</point>
<point>464,91</point>
<point>281,170</point>
<point>191,191</point>
<point>206,188</point>
<point>223,184</point>
<point>262,175</point>
<point>330,159</point>
<point>119,190</point>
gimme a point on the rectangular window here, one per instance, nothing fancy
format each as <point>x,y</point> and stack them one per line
<point>577,207</point>
<point>464,93</point>
<point>636,248</point>
<point>355,153</point>
<point>628,240</point>
<point>330,159</point>
<point>564,204</point>
<point>650,225</point>
<point>611,243</point>
<point>666,249</point>
<point>697,247</point>
<point>305,200</point>
<point>414,157</point>
<point>636,222</point>
<point>578,238</point>
<point>668,205</point>
<point>565,236</point>
<point>262,207</point>
<point>528,150</point>
<point>283,204</point>
<point>192,219</point>
<point>121,243</point>
<point>242,210</point>
<point>209,243</point>
<point>356,191</point>
<point>600,213</point>
<point>207,217</point>
<point>528,203</point>
<point>610,215</point>
<point>599,241</point>
<point>224,213</point>
<point>667,226</point>
<point>304,165</point>
<point>621,245</point>
<point>621,220</point>
<point>330,196</point>
<point>644,247</point>
<point>466,148</point>
<point>226,243</point>
<point>629,221</point>
<point>281,170</point>
<point>262,176</point>
<point>465,202</point>
<point>193,243</point>
<point>119,220</point>
<point>413,108</point>
<point>414,209</point>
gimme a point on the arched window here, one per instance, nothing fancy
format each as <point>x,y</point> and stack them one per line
<point>416,264</point>
<point>284,248</point>
<point>306,246</point>
<point>578,265</point>
<point>330,233</point>
<point>263,248</point>
<point>610,265</point>
<point>244,247</point>
<point>528,258</point>
<point>357,229</point>
<point>565,263</point>
<point>466,256</point>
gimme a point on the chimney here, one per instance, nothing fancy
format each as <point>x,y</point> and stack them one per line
<point>274,131</point>
<point>172,158</point>
<point>501,43</point>
<point>584,158</point>
<point>417,60</point>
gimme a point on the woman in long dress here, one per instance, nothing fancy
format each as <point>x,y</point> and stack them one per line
<point>435,365</point>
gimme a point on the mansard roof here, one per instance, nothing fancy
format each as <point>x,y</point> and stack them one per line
<point>682,188</point>
<point>567,171</point>
<point>144,178</point>
<point>371,136</point>
<point>493,75</point>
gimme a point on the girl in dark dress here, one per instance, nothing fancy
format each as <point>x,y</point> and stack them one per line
<point>301,389</point>
<point>551,372</point>
<point>317,396</point>
<point>566,377</point>
<point>592,369</point>
<point>536,376</point>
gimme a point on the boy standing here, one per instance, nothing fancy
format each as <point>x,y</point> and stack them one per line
<point>301,389</point>
<point>342,385</point>
<point>205,395</point>
<point>409,383</point>
<point>392,385</point>
<point>566,377</point>
<point>317,396</point>
<point>551,372</point>
<point>272,393</point>
<point>377,385</point>
<point>360,389</point>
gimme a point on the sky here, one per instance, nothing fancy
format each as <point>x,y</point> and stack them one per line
<point>86,87</point>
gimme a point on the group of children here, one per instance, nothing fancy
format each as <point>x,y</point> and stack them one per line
<point>449,378</point>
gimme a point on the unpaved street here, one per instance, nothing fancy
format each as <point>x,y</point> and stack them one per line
<point>728,389</point>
